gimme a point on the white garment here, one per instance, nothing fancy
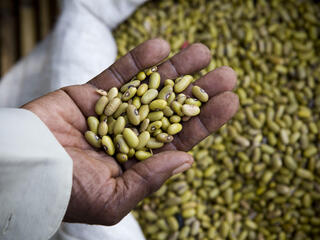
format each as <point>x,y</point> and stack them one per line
<point>35,177</point>
<point>127,229</point>
<point>79,48</point>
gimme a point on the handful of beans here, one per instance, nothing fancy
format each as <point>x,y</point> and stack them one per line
<point>143,115</point>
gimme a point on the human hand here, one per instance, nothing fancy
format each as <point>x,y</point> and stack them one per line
<point>103,192</point>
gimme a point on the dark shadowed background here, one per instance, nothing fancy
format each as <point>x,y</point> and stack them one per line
<point>23,23</point>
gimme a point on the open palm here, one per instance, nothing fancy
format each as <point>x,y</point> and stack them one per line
<point>103,192</point>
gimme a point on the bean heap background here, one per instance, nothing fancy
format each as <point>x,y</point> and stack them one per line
<point>143,115</point>
<point>258,177</point>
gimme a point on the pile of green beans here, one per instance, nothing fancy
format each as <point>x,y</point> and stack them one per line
<point>258,177</point>
<point>142,116</point>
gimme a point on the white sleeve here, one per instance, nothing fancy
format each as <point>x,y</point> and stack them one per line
<point>35,177</point>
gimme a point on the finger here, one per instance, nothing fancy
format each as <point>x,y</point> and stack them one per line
<point>187,61</point>
<point>213,115</point>
<point>85,97</point>
<point>141,180</point>
<point>145,55</point>
<point>215,82</point>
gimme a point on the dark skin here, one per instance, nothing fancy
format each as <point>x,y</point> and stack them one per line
<point>104,192</point>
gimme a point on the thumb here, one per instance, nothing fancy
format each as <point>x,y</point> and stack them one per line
<point>146,177</point>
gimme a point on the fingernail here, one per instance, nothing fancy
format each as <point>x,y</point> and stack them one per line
<point>181,168</point>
